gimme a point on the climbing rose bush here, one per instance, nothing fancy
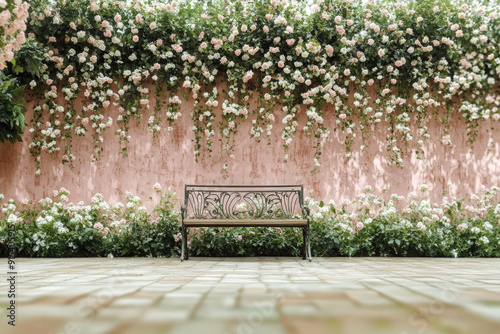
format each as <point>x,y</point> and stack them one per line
<point>13,14</point>
<point>361,63</point>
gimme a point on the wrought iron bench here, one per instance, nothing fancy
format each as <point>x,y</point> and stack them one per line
<point>245,206</point>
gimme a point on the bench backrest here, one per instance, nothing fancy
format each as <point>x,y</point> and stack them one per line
<point>243,202</point>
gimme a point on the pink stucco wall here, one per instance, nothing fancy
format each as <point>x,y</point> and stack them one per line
<point>169,160</point>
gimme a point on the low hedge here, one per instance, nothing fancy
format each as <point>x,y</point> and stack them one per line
<point>365,226</point>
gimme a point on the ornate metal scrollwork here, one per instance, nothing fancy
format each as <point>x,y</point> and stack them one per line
<point>243,204</point>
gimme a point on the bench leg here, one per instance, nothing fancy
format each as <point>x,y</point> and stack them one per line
<point>304,243</point>
<point>187,248</point>
<point>183,244</point>
<point>309,244</point>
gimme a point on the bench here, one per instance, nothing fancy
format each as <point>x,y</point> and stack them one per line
<point>245,206</point>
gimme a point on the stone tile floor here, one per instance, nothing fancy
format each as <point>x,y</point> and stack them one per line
<point>254,295</point>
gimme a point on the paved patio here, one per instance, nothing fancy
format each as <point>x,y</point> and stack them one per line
<point>255,295</point>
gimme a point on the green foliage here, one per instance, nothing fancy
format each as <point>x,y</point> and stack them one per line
<point>25,66</point>
<point>28,61</point>
<point>12,121</point>
<point>250,241</point>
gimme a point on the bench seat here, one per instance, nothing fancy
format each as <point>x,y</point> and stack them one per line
<point>244,222</point>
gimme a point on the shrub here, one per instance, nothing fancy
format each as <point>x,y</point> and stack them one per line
<point>365,226</point>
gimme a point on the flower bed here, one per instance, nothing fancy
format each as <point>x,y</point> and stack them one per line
<point>364,226</point>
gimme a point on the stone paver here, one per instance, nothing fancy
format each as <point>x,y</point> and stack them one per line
<point>254,295</point>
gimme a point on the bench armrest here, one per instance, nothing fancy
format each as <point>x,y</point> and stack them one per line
<point>183,212</point>
<point>305,210</point>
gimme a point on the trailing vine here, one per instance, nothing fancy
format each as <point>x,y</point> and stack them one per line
<point>324,59</point>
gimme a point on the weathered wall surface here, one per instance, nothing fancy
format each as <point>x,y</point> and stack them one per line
<point>169,160</point>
